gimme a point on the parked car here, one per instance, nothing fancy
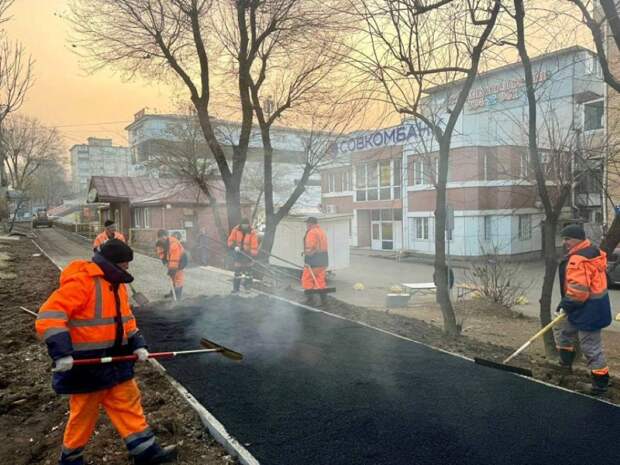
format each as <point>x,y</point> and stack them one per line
<point>613,268</point>
<point>41,219</point>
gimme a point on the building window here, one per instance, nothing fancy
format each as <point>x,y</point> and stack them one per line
<point>525,227</point>
<point>593,115</point>
<point>487,227</point>
<point>141,218</point>
<point>374,181</point>
<point>418,175</point>
<point>525,165</point>
<point>421,229</point>
<point>397,178</point>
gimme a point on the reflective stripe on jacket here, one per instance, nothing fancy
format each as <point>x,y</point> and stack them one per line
<point>583,284</point>
<point>172,254</point>
<point>102,238</point>
<point>315,247</point>
<point>88,317</point>
<point>247,242</point>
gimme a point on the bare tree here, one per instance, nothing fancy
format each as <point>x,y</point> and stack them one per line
<point>49,185</point>
<point>15,79</point>
<point>29,147</point>
<point>202,44</point>
<point>413,46</point>
<point>185,155</point>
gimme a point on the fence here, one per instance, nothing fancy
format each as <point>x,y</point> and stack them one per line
<point>88,230</point>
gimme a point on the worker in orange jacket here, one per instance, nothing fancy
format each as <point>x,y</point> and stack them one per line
<point>316,259</point>
<point>243,243</point>
<point>108,233</point>
<point>583,285</point>
<point>172,254</point>
<point>89,317</point>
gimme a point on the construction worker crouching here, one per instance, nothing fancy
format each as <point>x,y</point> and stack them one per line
<point>583,285</point>
<point>172,254</point>
<point>316,259</point>
<point>243,243</point>
<point>89,317</point>
<point>108,233</point>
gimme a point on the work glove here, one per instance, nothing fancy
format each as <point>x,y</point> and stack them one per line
<point>237,249</point>
<point>172,272</point>
<point>63,364</point>
<point>142,354</point>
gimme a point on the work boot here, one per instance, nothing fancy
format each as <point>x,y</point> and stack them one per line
<point>567,357</point>
<point>309,300</point>
<point>597,387</point>
<point>600,383</point>
<point>166,454</point>
<point>323,300</point>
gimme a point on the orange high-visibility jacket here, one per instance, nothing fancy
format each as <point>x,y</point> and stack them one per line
<point>248,242</point>
<point>86,318</point>
<point>315,247</point>
<point>583,284</point>
<point>102,238</point>
<point>171,254</point>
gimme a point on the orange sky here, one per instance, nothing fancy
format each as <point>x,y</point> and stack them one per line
<point>63,94</point>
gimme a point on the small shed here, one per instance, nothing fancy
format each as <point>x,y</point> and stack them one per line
<point>288,243</point>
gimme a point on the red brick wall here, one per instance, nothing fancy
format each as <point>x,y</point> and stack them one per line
<point>343,204</point>
<point>477,198</point>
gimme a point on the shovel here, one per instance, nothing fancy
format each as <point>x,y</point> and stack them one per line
<point>522,371</point>
<point>210,347</point>
<point>325,290</point>
<point>138,297</point>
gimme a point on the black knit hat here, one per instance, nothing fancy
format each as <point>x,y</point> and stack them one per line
<point>162,233</point>
<point>573,231</point>
<point>117,251</point>
<point>312,220</point>
<point>108,223</point>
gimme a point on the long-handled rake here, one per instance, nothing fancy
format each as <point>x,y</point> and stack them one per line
<point>209,347</point>
<point>522,371</point>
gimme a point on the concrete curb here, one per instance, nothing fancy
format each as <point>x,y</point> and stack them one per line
<point>217,430</point>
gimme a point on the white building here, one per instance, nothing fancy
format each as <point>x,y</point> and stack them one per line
<point>98,157</point>
<point>152,136</point>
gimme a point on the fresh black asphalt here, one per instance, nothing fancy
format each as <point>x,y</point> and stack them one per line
<point>318,390</point>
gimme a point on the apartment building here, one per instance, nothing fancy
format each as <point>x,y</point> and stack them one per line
<point>98,157</point>
<point>385,178</point>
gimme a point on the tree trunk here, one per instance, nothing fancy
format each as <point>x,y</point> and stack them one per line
<point>441,269</point>
<point>546,293</point>
<point>233,206</point>
<point>612,237</point>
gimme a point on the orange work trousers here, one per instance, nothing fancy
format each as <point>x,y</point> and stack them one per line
<point>122,404</point>
<point>179,279</point>
<point>308,282</point>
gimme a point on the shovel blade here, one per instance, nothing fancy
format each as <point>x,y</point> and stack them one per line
<point>226,352</point>
<point>140,299</point>
<point>326,290</point>
<point>501,366</point>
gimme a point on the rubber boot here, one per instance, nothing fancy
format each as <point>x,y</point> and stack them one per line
<point>567,357</point>
<point>236,284</point>
<point>158,455</point>
<point>600,383</point>
<point>309,300</point>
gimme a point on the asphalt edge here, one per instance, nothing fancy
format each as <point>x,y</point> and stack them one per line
<point>213,425</point>
<point>529,378</point>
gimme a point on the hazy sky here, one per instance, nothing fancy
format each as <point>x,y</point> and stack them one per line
<point>63,94</point>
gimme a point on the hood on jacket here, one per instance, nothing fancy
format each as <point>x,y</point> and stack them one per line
<point>592,255</point>
<point>99,266</point>
<point>111,272</point>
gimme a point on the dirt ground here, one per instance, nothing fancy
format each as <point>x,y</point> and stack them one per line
<point>32,416</point>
